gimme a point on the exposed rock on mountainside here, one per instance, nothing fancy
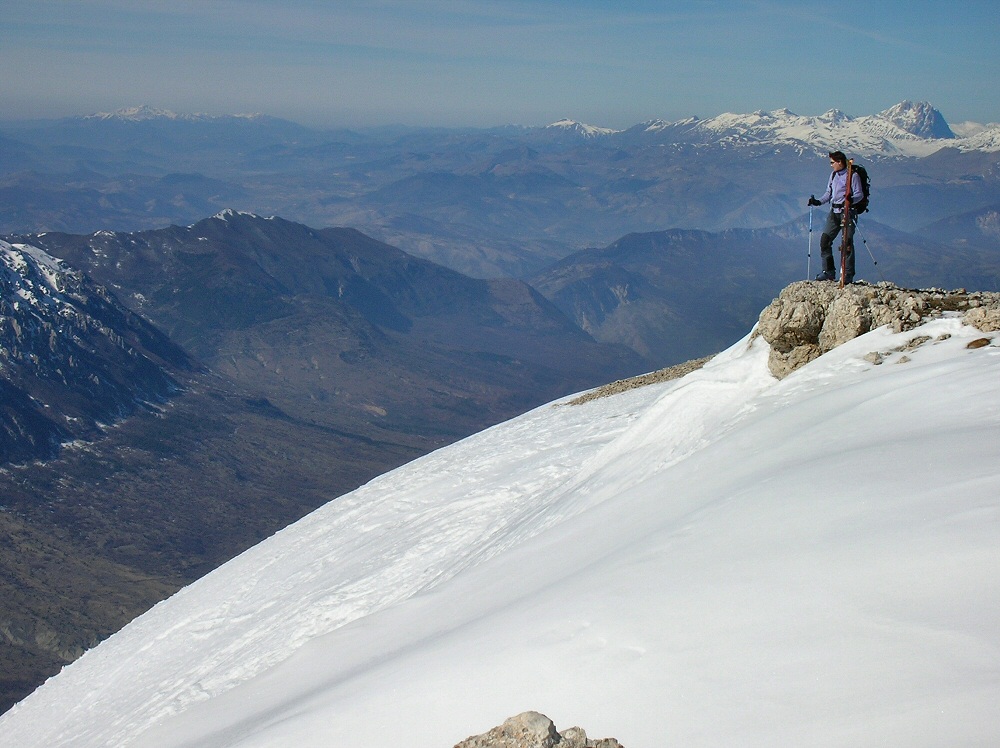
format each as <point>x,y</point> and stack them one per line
<point>623,385</point>
<point>808,319</point>
<point>918,118</point>
<point>71,356</point>
<point>535,730</point>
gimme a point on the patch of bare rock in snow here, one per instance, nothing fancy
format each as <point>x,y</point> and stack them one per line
<point>622,385</point>
<point>535,730</point>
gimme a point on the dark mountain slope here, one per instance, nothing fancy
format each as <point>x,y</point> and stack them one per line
<point>677,295</point>
<point>71,356</point>
<point>672,295</point>
<point>97,536</point>
<point>977,229</point>
<point>343,330</point>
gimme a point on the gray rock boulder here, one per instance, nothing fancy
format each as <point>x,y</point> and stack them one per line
<point>808,318</point>
<point>534,730</point>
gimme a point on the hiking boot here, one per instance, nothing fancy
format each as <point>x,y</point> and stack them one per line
<point>826,276</point>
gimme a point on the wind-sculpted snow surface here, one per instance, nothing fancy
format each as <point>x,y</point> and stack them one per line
<point>721,559</point>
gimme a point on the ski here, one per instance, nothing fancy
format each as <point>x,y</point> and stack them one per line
<point>846,225</point>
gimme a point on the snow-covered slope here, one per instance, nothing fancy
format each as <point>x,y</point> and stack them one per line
<point>31,276</point>
<point>725,559</point>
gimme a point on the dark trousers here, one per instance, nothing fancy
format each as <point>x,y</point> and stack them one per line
<point>834,223</point>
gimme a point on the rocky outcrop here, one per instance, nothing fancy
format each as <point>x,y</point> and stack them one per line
<point>808,318</point>
<point>535,730</point>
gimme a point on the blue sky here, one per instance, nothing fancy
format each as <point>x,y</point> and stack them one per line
<point>489,62</point>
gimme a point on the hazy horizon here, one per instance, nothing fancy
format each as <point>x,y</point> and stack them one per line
<point>478,64</point>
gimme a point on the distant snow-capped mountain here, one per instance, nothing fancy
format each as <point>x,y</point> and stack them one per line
<point>985,139</point>
<point>587,131</point>
<point>920,119</point>
<point>906,129</point>
<point>146,113</point>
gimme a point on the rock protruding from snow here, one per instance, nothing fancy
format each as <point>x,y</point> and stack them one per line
<point>809,318</point>
<point>535,730</point>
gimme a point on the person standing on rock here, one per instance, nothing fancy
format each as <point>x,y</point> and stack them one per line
<point>836,189</point>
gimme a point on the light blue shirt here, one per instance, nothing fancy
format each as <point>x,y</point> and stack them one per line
<point>837,187</point>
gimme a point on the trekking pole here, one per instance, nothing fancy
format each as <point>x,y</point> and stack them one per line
<point>809,256</point>
<point>864,240</point>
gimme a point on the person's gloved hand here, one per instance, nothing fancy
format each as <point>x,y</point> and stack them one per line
<point>814,201</point>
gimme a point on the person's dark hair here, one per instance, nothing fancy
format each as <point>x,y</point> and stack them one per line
<point>839,157</point>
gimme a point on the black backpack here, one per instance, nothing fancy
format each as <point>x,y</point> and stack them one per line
<point>866,186</point>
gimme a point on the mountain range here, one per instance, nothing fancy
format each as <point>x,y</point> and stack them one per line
<point>499,202</point>
<point>906,129</point>
<point>330,316</point>
<point>176,388</point>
